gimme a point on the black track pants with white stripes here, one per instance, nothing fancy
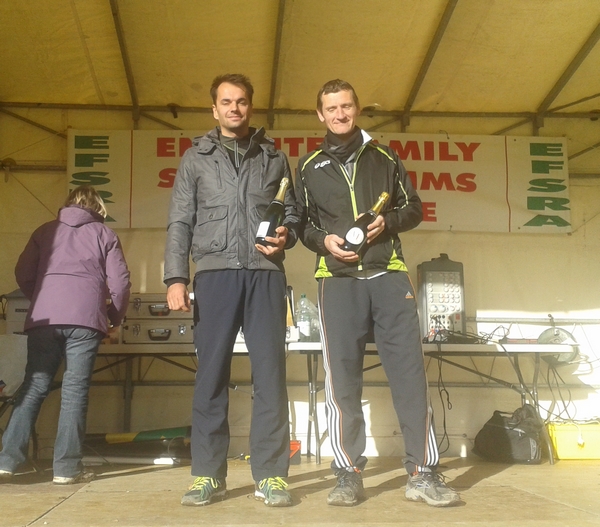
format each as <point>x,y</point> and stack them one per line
<point>349,309</point>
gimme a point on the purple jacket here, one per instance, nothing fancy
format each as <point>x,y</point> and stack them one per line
<point>70,268</point>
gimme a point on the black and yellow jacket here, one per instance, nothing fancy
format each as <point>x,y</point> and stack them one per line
<point>330,199</point>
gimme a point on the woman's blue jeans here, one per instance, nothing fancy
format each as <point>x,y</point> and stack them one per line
<point>46,348</point>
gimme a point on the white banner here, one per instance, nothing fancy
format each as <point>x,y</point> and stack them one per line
<point>466,182</point>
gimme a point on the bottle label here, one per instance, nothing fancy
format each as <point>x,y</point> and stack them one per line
<point>355,235</point>
<point>304,329</point>
<point>263,229</point>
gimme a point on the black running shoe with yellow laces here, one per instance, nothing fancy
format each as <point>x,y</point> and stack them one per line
<point>273,492</point>
<point>205,491</point>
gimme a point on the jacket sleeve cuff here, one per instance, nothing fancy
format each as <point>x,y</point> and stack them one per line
<point>320,241</point>
<point>292,235</point>
<point>170,281</point>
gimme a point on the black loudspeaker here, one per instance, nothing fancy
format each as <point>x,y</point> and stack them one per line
<point>441,298</point>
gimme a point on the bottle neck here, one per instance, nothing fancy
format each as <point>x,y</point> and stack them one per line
<point>376,209</point>
<point>282,188</point>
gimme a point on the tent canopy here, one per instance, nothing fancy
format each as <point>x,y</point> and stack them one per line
<point>416,65</point>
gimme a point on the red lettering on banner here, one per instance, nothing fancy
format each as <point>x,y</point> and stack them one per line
<point>293,143</point>
<point>277,142</point>
<point>184,144</point>
<point>410,149</point>
<point>429,151</point>
<point>445,154</point>
<point>167,177</point>
<point>465,182</point>
<point>444,181</point>
<point>165,147</point>
<point>429,211</point>
<point>312,143</point>
<point>468,150</point>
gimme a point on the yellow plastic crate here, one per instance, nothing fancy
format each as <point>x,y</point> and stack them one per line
<point>575,441</point>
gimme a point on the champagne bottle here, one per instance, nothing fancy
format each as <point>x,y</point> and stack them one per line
<point>273,216</point>
<point>356,237</point>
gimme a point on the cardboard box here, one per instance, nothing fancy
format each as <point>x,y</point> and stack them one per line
<point>575,441</point>
<point>16,312</point>
<point>15,328</point>
<point>13,359</point>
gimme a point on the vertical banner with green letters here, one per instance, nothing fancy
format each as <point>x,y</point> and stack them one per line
<point>103,159</point>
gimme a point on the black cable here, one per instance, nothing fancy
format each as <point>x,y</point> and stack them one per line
<point>553,373</point>
<point>98,454</point>
<point>553,403</point>
<point>570,398</point>
<point>441,392</point>
<point>517,370</point>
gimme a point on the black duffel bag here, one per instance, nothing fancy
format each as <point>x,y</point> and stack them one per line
<point>511,438</point>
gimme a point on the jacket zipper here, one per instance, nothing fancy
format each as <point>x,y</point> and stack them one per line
<point>350,182</point>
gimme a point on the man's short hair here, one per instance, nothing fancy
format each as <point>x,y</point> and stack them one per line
<point>237,79</point>
<point>335,86</point>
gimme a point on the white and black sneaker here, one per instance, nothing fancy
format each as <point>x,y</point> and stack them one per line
<point>82,477</point>
<point>349,489</point>
<point>430,488</point>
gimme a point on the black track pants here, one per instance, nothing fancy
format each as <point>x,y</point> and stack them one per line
<point>255,301</point>
<point>349,309</point>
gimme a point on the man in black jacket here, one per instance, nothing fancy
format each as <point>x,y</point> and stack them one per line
<point>366,292</point>
<point>224,184</point>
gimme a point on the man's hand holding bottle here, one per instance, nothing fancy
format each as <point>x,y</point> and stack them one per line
<point>334,243</point>
<point>276,243</point>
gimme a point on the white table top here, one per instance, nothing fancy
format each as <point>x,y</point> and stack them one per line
<point>304,347</point>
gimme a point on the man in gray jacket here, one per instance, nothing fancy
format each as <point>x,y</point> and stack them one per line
<point>224,184</point>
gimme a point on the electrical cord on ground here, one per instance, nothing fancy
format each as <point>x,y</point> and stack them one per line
<point>97,454</point>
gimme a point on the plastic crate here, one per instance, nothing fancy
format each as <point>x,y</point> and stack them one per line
<point>575,441</point>
<point>295,449</point>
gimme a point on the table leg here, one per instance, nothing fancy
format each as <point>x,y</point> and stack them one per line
<point>310,404</point>
<point>533,394</point>
<point>128,394</point>
<point>312,363</point>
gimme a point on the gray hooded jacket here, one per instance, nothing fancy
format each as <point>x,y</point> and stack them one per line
<point>215,209</point>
